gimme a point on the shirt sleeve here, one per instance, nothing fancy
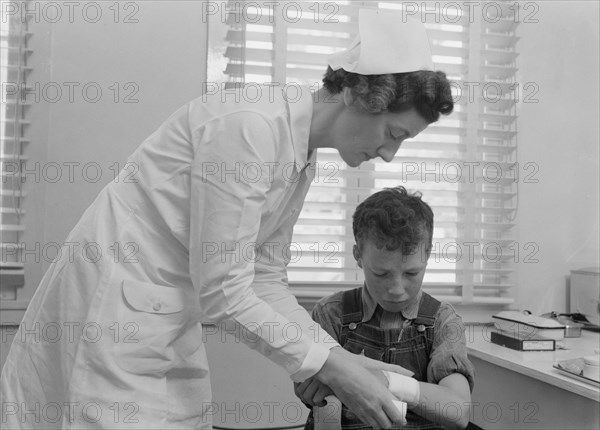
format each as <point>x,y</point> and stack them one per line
<point>449,350</point>
<point>229,182</point>
<point>328,313</point>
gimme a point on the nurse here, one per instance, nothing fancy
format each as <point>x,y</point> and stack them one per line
<point>200,235</point>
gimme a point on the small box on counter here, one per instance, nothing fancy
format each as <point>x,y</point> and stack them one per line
<point>522,342</point>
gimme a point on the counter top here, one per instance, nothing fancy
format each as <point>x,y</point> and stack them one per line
<point>537,364</point>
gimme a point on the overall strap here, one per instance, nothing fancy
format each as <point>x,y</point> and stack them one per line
<point>352,310</point>
<point>428,309</point>
<point>352,306</point>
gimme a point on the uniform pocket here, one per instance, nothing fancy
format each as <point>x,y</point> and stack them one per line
<point>153,316</point>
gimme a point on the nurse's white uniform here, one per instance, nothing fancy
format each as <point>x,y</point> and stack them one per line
<point>112,338</point>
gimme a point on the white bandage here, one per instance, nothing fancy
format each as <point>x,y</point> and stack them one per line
<point>402,408</point>
<point>405,388</point>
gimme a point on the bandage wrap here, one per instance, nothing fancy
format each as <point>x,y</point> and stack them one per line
<point>403,387</point>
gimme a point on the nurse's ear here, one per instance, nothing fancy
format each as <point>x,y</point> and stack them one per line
<point>356,254</point>
<point>347,96</point>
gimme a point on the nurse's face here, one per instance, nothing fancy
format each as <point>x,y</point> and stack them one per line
<point>360,136</point>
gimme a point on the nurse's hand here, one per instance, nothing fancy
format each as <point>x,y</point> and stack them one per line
<point>359,390</point>
<point>312,392</point>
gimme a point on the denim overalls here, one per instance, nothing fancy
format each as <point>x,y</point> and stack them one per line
<point>409,347</point>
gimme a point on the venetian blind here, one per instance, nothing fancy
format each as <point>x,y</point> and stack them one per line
<point>13,75</point>
<point>465,164</point>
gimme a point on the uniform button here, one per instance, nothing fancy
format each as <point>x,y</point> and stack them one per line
<point>352,326</point>
<point>157,307</point>
<point>420,328</point>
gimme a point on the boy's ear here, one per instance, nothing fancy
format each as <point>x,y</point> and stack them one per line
<point>347,96</point>
<point>356,254</point>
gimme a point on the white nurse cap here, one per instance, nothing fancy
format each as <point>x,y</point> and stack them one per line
<point>387,42</point>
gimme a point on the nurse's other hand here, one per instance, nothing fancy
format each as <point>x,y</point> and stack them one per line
<point>312,392</point>
<point>359,390</point>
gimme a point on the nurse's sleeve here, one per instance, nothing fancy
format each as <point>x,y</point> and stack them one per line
<point>228,193</point>
<point>271,282</point>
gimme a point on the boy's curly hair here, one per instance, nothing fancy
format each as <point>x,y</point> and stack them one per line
<point>427,91</point>
<point>395,219</point>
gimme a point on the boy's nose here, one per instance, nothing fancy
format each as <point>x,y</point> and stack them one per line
<point>397,288</point>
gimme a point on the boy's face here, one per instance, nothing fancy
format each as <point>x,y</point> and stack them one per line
<point>393,279</point>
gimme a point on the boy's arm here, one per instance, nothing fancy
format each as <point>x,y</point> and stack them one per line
<point>430,400</point>
<point>454,390</point>
<point>449,372</point>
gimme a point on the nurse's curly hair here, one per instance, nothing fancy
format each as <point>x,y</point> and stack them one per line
<point>427,91</point>
<point>395,219</point>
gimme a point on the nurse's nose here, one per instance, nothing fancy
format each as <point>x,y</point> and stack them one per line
<point>388,151</point>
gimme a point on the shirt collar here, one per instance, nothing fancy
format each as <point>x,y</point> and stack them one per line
<point>300,109</point>
<point>409,312</point>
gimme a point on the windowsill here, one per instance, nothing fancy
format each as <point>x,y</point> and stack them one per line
<point>12,311</point>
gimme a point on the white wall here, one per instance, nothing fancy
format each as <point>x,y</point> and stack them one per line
<point>158,61</point>
<point>560,134</point>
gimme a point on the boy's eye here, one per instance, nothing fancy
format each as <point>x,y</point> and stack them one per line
<point>412,273</point>
<point>380,275</point>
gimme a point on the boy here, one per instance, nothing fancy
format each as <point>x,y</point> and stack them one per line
<point>392,320</point>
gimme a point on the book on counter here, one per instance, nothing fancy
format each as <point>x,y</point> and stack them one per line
<point>521,342</point>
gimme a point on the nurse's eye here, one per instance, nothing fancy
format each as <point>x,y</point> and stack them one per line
<point>397,135</point>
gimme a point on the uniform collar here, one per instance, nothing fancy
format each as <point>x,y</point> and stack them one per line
<point>410,312</point>
<point>300,109</point>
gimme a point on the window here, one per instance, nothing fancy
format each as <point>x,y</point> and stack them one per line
<point>465,164</point>
<point>13,74</point>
